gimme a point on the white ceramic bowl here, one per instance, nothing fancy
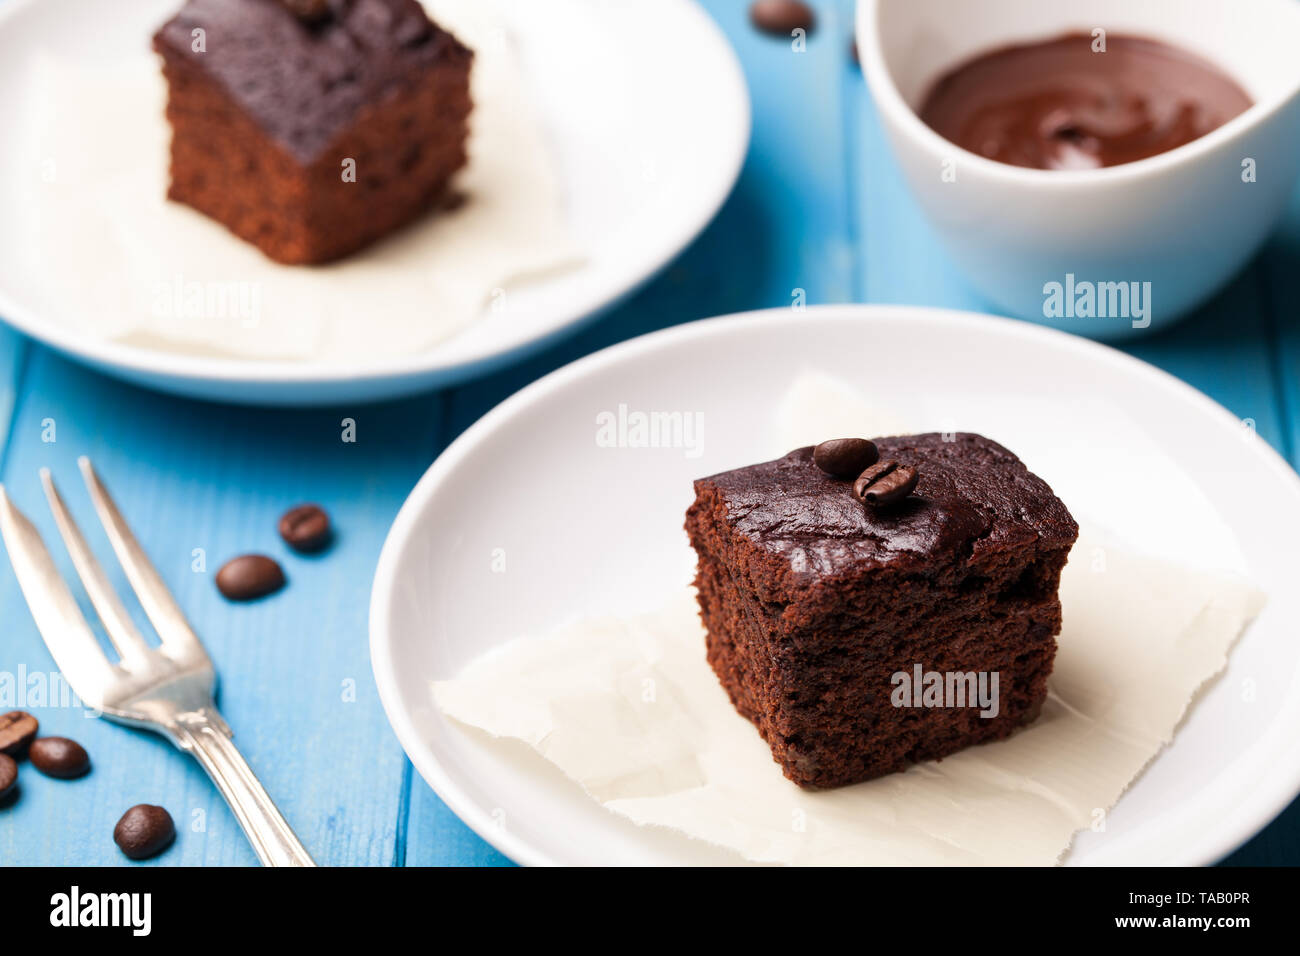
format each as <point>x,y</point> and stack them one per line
<point>1184,220</point>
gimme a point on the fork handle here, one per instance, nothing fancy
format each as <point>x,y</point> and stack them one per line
<point>204,735</point>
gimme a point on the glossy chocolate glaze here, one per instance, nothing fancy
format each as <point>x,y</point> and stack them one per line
<point>1059,105</point>
<point>304,82</point>
<point>972,493</point>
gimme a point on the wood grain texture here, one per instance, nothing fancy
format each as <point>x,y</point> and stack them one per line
<point>820,207</point>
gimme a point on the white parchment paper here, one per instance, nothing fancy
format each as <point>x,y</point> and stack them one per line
<point>158,274</point>
<point>630,709</point>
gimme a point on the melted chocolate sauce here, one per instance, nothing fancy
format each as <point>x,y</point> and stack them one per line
<point>1058,104</point>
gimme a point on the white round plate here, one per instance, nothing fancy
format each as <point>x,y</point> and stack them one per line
<point>588,529</point>
<point>622,88</point>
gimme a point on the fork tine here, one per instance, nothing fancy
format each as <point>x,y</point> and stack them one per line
<point>167,618</point>
<point>121,629</point>
<point>58,618</point>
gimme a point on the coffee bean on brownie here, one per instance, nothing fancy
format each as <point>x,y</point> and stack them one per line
<point>17,731</point>
<point>308,10</point>
<point>59,757</point>
<point>781,17</point>
<point>885,484</point>
<point>845,457</point>
<point>249,576</point>
<point>306,528</point>
<point>144,831</point>
<point>8,775</point>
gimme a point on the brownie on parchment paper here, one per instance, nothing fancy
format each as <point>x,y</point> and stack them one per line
<point>269,101</point>
<point>814,601</point>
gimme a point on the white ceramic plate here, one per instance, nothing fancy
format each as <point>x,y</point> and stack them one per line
<point>583,528</point>
<point>623,88</point>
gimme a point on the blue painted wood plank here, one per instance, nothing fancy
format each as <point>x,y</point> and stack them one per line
<point>1224,350</point>
<point>13,360</point>
<point>207,481</point>
<point>899,258</point>
<point>794,182</point>
<point>437,837</point>
<point>1280,266</point>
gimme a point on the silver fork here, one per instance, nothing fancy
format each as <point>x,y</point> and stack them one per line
<point>168,689</point>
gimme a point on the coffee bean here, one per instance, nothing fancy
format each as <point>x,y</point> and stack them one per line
<point>17,731</point>
<point>249,576</point>
<point>144,831</point>
<point>59,757</point>
<point>845,457</point>
<point>781,17</point>
<point>309,11</point>
<point>8,775</point>
<point>885,484</point>
<point>306,528</point>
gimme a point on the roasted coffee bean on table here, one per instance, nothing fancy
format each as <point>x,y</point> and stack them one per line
<point>845,457</point>
<point>8,775</point>
<point>144,831</point>
<point>59,757</point>
<point>249,576</point>
<point>17,731</point>
<point>885,484</point>
<point>306,528</point>
<point>781,17</point>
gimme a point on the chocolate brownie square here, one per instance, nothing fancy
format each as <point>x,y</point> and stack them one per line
<point>311,128</point>
<point>824,614</point>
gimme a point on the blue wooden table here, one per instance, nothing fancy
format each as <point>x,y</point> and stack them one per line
<point>820,206</point>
